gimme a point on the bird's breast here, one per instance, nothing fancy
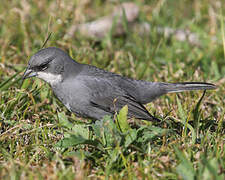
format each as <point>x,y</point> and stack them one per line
<point>73,94</point>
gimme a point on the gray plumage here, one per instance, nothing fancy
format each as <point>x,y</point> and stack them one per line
<point>91,92</point>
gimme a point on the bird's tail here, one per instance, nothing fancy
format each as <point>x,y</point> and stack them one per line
<point>187,86</point>
<point>148,91</point>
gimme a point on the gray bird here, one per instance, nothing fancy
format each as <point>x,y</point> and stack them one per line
<point>93,93</point>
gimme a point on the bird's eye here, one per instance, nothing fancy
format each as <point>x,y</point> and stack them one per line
<point>43,67</point>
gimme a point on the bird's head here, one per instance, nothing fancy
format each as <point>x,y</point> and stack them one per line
<point>47,64</point>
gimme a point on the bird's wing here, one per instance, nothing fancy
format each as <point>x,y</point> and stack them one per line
<point>112,105</point>
<point>109,97</point>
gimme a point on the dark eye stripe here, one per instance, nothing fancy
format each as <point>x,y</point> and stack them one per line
<point>44,65</point>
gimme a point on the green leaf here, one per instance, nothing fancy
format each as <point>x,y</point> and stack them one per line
<point>114,155</point>
<point>106,132</point>
<point>44,93</point>
<point>210,170</point>
<point>181,111</point>
<point>122,119</point>
<point>70,141</point>
<point>146,134</point>
<point>25,84</point>
<point>185,168</point>
<point>130,137</point>
<point>81,130</point>
<point>184,121</point>
<point>63,121</point>
<point>75,140</point>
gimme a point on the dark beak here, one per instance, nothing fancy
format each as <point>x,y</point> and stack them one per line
<point>29,73</point>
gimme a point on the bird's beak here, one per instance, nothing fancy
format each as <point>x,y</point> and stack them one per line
<point>29,73</point>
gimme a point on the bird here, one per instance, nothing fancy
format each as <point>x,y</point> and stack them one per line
<point>94,93</point>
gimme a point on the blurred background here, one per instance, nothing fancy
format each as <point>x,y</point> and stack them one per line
<point>26,24</point>
<point>154,40</point>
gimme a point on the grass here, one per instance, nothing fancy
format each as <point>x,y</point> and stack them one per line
<point>40,139</point>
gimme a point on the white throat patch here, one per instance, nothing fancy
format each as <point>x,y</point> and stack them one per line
<point>50,78</point>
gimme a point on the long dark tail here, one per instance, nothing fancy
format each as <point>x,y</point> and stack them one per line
<point>188,86</point>
<point>149,91</point>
